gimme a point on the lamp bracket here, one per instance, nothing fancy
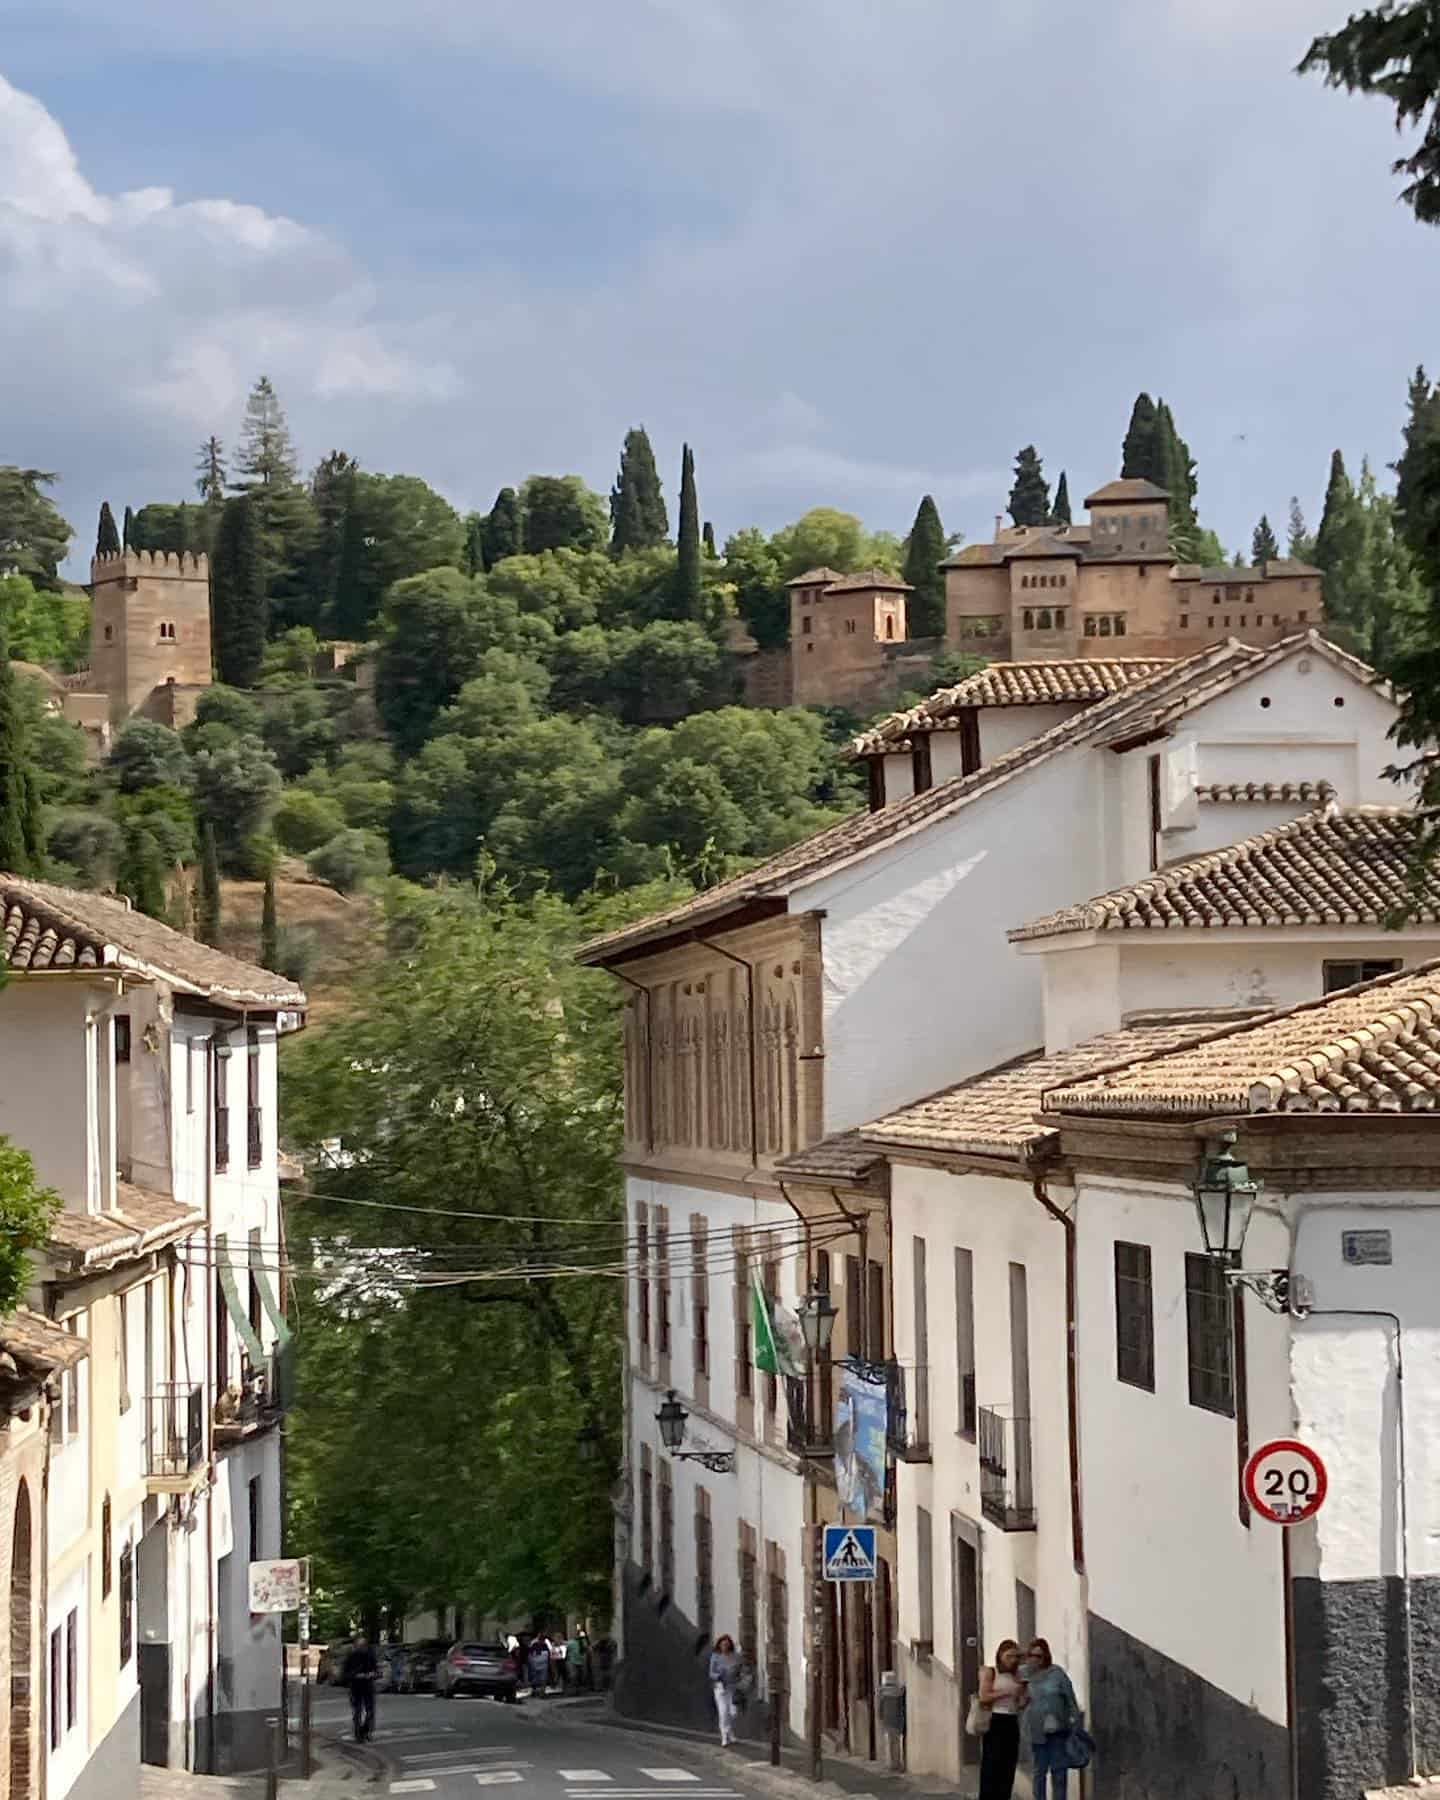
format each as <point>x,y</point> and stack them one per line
<point>876,1373</point>
<point>1278,1290</point>
<point>719,1462</point>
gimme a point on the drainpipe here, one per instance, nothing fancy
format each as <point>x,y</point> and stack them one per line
<point>1072,1368</point>
<point>749,968</point>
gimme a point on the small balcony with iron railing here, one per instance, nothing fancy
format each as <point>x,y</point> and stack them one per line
<point>810,1421</point>
<point>251,1405</point>
<point>174,1437</point>
<point>1007,1477</point>
<point>908,1412</point>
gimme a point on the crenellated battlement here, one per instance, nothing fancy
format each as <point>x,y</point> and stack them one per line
<point>164,564</point>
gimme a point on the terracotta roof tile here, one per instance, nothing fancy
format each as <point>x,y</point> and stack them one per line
<point>1226,575</point>
<point>815,578</point>
<point>1374,1048</point>
<point>994,1114</point>
<point>141,1220</point>
<point>845,1157</point>
<point>1128,488</point>
<point>39,1343</point>
<point>48,928</point>
<point>864,579</point>
<point>863,832</point>
<point>1333,867</point>
<point>1261,793</point>
<point>1009,684</point>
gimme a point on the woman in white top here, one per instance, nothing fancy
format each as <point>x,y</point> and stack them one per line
<point>1003,1691</point>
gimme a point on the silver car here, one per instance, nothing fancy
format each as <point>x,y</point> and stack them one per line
<point>477,1669</point>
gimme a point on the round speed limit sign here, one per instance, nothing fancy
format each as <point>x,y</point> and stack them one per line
<point>1285,1482</point>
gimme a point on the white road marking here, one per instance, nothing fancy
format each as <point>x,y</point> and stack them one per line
<point>416,1756</point>
<point>489,1777</point>
<point>671,1774</point>
<point>423,1786</point>
<point>584,1775</point>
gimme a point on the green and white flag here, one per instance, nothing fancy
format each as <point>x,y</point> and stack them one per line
<point>779,1342</point>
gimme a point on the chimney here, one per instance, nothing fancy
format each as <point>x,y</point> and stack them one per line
<point>999,525</point>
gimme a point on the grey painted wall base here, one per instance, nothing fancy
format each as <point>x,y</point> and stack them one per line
<point>1350,1683</point>
<point>113,1772</point>
<point>1164,1733</point>
<point>242,1741</point>
<point>663,1671</point>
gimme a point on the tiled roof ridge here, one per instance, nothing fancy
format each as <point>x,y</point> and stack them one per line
<point>1005,681</point>
<point>1160,901</point>
<point>1342,1070</point>
<point>868,578</point>
<point>1317,792</point>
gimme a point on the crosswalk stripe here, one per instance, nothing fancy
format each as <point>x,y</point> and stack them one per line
<point>419,1756</point>
<point>421,1784</point>
<point>671,1774</point>
<point>489,1777</point>
<point>585,1775</point>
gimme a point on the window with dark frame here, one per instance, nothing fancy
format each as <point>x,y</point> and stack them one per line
<point>1343,974</point>
<point>647,1514</point>
<point>700,1295</point>
<point>667,1531</point>
<point>744,1367</point>
<point>1134,1316</point>
<point>222,1106</point>
<point>875,1334</point>
<point>57,1699</point>
<point>965,1341</point>
<point>772,1289</point>
<point>122,1352</point>
<point>924,778</point>
<point>127,1604</point>
<point>254,1494</point>
<point>642,1276</point>
<point>254,1121</point>
<point>106,1548</point>
<point>72,1668</point>
<point>255,1303</point>
<point>122,1037</point>
<point>704,1566</point>
<point>662,1280</point>
<point>1209,1331</point>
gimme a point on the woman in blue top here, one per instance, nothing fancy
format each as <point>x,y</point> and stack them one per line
<point>1051,1711</point>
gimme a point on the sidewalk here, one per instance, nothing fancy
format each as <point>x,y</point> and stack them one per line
<point>338,1776</point>
<point>845,1777</point>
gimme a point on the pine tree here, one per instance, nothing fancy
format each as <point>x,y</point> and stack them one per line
<point>924,553</point>
<point>238,601</point>
<point>267,455</point>
<point>1060,512</point>
<point>107,538</point>
<point>688,586</point>
<point>1299,543</point>
<point>207,900</point>
<point>21,845</point>
<point>269,924</point>
<point>707,538</point>
<point>503,534</point>
<point>638,518</point>
<point>211,479</point>
<point>127,541</point>
<point>1030,495</point>
<point>1264,546</point>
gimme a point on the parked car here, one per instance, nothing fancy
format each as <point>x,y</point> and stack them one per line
<point>421,1661</point>
<point>477,1669</point>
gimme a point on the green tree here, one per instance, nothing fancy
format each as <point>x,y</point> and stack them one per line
<point>269,922</point>
<point>753,569</point>
<point>349,859</point>
<point>267,453</point>
<point>1060,511</point>
<point>1413,499</point>
<point>208,897</point>
<point>304,820</point>
<point>332,495</point>
<point>638,517</point>
<point>211,479</point>
<point>560,512</point>
<point>33,536</point>
<point>22,834</point>
<point>688,577</point>
<point>1299,543</point>
<point>239,603</point>
<point>707,538</point>
<point>127,536</point>
<point>1394,51</point>
<point>924,553</point>
<point>404,528</point>
<point>504,529</point>
<point>473,559</point>
<point>1264,546</point>
<point>107,536</point>
<point>26,1211</point>
<point>47,625</point>
<point>1340,547</point>
<point>266,466</point>
<point>84,848</point>
<point>236,788</point>
<point>299,731</point>
<point>1029,502</point>
<point>141,874</point>
<point>147,754</point>
<point>1142,454</point>
<point>823,538</point>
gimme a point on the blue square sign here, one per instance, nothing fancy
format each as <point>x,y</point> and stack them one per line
<point>849,1552</point>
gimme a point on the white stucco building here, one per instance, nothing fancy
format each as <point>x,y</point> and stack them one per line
<point>846,975</point>
<point>140,1076</point>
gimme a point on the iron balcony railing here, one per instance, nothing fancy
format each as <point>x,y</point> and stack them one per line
<point>255,1403</point>
<point>174,1431</point>
<point>1007,1483</point>
<point>908,1411</point>
<point>809,1426</point>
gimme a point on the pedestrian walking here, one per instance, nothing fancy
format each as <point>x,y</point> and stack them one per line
<point>358,1674</point>
<point>538,1664</point>
<point>1003,1695</point>
<point>725,1671</point>
<point>1051,1712</point>
<point>574,1664</point>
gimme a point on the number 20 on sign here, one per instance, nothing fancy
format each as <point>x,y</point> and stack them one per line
<point>1285,1481</point>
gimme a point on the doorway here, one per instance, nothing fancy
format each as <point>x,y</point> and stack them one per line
<point>965,1585</point>
<point>22,1643</point>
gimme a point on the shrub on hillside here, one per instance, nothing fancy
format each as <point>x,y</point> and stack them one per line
<point>303,821</point>
<point>350,858</point>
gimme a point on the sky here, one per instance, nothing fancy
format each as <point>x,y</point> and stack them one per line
<point>853,253</point>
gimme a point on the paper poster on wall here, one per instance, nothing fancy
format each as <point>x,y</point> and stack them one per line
<point>860,1416</point>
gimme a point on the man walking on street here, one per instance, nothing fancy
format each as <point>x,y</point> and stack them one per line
<point>359,1675</point>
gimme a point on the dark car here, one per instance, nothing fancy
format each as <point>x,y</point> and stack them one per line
<point>421,1661</point>
<point>477,1669</point>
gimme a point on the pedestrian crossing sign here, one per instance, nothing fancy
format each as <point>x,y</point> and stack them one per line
<point>849,1552</point>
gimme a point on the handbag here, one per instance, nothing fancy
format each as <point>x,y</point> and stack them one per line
<point>977,1720</point>
<point>1079,1748</point>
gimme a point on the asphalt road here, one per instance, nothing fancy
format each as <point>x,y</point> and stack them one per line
<point>455,1748</point>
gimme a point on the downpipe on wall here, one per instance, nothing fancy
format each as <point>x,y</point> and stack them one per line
<point>1066,1222</point>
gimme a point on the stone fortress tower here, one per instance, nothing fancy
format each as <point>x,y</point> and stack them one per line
<point>149,640</point>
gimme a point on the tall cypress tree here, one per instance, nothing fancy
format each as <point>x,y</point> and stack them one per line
<point>141,874</point>
<point>128,536</point>
<point>1030,494</point>
<point>239,606</point>
<point>503,533</point>
<point>1264,546</point>
<point>1142,456</point>
<point>707,538</point>
<point>1340,546</point>
<point>1417,506</point>
<point>21,835</point>
<point>207,900</point>
<point>269,924</point>
<point>1060,512</point>
<point>107,537</point>
<point>688,586</point>
<point>924,553</point>
<point>638,518</point>
<point>474,543</point>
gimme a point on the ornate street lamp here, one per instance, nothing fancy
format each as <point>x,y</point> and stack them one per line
<point>672,1419</point>
<point>1225,1198</point>
<point>817,1321</point>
